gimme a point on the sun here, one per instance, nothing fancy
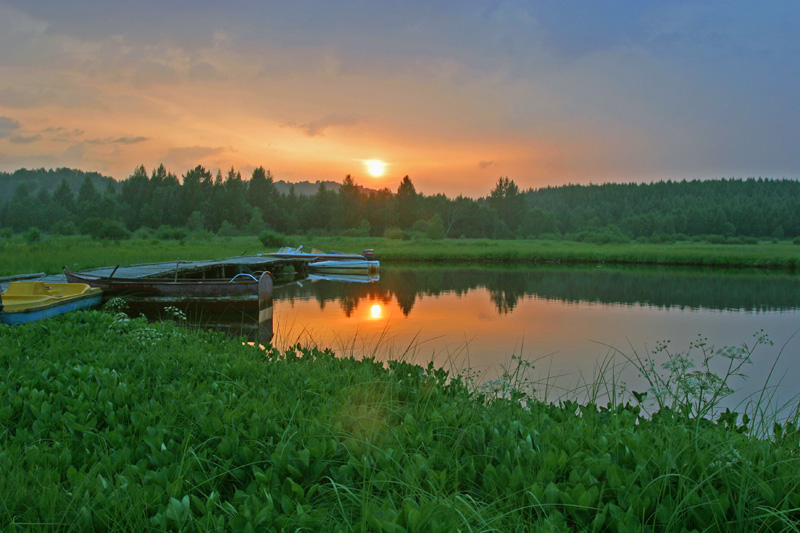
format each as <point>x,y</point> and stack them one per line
<point>375,167</point>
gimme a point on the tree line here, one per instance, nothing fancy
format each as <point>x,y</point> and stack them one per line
<point>228,204</point>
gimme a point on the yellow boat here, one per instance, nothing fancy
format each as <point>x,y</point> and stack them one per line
<point>28,301</point>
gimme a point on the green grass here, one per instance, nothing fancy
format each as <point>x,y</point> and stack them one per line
<point>82,252</point>
<point>779,255</point>
<point>17,257</point>
<point>113,423</point>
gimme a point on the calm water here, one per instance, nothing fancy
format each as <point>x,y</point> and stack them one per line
<point>566,319</point>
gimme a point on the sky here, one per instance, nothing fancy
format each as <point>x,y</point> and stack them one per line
<point>454,94</point>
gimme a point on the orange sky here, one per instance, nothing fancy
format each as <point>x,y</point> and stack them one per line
<point>452,95</point>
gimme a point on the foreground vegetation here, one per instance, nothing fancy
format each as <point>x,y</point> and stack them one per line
<point>18,256</point>
<point>113,423</point>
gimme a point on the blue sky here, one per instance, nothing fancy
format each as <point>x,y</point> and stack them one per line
<point>453,94</point>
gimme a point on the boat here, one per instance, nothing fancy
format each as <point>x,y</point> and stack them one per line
<point>241,288</point>
<point>29,301</point>
<point>345,267</point>
<point>349,278</point>
<point>287,252</point>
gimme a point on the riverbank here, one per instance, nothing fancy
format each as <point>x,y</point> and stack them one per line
<point>115,423</point>
<point>17,257</point>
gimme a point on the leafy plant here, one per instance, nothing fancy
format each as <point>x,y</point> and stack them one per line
<point>693,386</point>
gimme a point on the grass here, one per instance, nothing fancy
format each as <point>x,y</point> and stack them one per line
<point>114,423</point>
<point>17,257</point>
<point>769,255</point>
<point>83,253</point>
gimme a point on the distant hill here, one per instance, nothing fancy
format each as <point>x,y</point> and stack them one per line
<point>39,178</point>
<point>305,188</point>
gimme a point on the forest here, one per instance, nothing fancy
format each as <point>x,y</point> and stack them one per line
<point>68,201</point>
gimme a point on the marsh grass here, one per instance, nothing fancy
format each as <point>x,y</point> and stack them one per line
<point>111,422</point>
<point>53,252</point>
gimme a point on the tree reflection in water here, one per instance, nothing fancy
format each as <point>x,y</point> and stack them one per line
<point>682,288</point>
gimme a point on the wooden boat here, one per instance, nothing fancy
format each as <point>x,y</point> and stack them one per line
<point>345,267</point>
<point>28,301</point>
<point>223,292</point>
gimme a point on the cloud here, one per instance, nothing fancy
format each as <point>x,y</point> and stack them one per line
<point>118,140</point>
<point>484,164</point>
<point>8,126</point>
<point>63,134</point>
<point>23,139</point>
<point>317,127</point>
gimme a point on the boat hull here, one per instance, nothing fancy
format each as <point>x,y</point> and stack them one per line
<point>26,302</point>
<point>345,267</point>
<point>211,292</point>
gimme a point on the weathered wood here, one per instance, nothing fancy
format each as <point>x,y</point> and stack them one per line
<point>23,276</point>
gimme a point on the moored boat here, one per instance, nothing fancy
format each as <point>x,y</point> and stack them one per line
<point>287,252</point>
<point>241,288</point>
<point>29,301</point>
<point>345,267</point>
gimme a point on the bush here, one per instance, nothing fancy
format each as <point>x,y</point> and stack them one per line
<point>5,233</point>
<point>34,234</point>
<point>168,232</point>
<point>661,238</point>
<point>227,230</point>
<point>436,228</point>
<point>420,226</point>
<point>272,239</point>
<point>256,224</point>
<point>143,233</point>
<point>362,230</point>
<point>715,239</point>
<point>91,226</point>
<point>550,237</point>
<point>608,235</point>
<point>65,227</point>
<point>796,240</point>
<point>114,230</point>
<point>394,233</point>
<point>202,235</point>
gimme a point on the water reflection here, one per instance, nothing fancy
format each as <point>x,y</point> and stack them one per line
<point>567,318</point>
<point>241,320</point>
<point>651,287</point>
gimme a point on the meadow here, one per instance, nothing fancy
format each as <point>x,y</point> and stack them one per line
<point>108,422</point>
<point>53,252</point>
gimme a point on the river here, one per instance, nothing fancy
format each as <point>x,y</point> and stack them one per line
<point>573,324</point>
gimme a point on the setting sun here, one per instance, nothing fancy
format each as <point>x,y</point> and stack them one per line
<point>376,311</point>
<point>375,167</point>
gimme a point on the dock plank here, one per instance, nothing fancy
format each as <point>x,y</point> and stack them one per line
<point>167,268</point>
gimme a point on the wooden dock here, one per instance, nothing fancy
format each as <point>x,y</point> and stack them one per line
<point>221,268</point>
<point>224,268</point>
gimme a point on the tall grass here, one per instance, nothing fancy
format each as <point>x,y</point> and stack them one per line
<point>80,253</point>
<point>108,422</point>
<point>51,254</point>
